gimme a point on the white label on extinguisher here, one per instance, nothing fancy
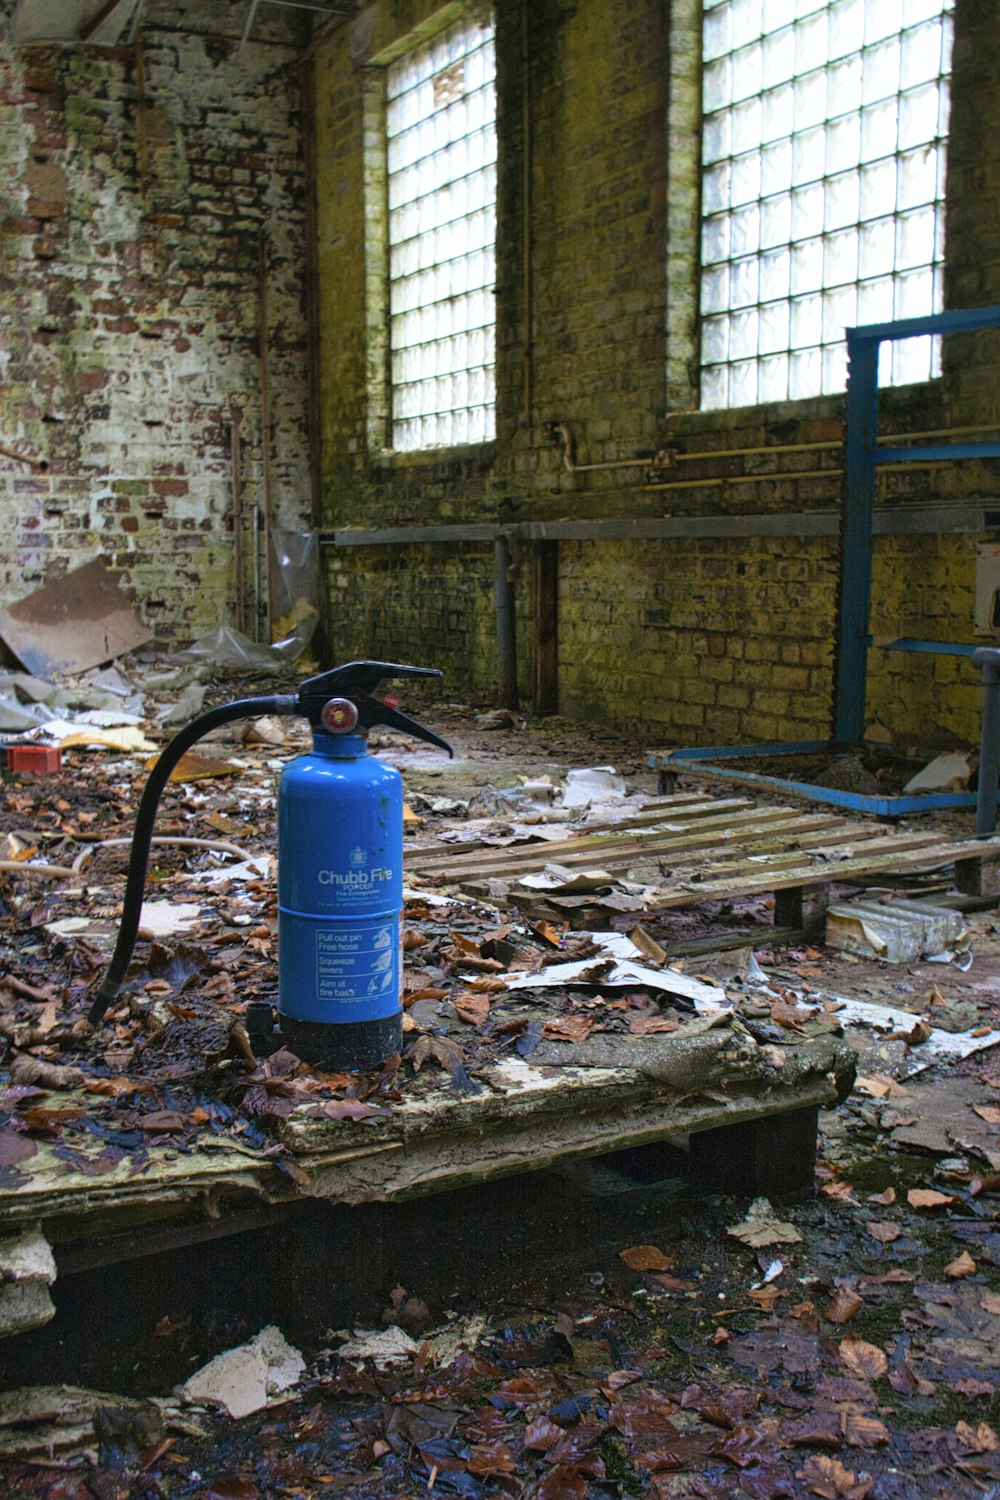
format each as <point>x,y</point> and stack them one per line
<point>353,965</point>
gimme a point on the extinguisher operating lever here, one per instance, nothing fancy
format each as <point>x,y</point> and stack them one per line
<point>356,681</point>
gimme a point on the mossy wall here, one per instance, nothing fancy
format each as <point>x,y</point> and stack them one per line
<point>722,628</point>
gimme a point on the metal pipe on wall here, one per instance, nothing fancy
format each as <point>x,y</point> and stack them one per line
<point>262,519</point>
<point>236,481</point>
<point>506,623</point>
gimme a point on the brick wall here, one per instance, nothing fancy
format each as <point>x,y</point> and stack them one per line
<point>692,636</point>
<point>144,188</point>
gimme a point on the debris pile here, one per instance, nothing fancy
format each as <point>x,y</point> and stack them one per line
<point>837,1347</point>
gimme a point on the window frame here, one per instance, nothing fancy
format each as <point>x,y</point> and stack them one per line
<point>728,311</point>
<point>378,338</point>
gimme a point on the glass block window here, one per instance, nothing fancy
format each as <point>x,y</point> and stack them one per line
<point>823,164</point>
<point>441,156</point>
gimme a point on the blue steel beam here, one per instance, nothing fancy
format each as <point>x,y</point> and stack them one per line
<point>935,451</point>
<point>861,459</point>
<point>856,538</point>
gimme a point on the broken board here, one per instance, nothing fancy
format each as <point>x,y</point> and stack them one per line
<point>568,1100</point>
<point>74,623</point>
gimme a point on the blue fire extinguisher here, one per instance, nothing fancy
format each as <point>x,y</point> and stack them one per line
<point>340,859</point>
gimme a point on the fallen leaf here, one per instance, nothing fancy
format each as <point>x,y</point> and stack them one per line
<point>970,1386</point>
<point>231,1487</point>
<point>962,1265</point>
<point>341,1109</point>
<point>25,1069</point>
<point>15,1147</point>
<point>928,1198</point>
<point>117,1088</point>
<point>844,1304</point>
<point>651,1025</point>
<point>761,1228</point>
<point>840,1191</point>
<point>569,1028</point>
<point>162,1120</point>
<point>982,1439</point>
<point>832,1480</point>
<point>541,1434</point>
<point>884,1199</point>
<point>491,1458</point>
<point>862,1431</point>
<point>765,1296</point>
<point>880,1086</point>
<point>473,1009</point>
<point>863,1359</point>
<point>990,1302</point>
<point>646,1258</point>
<point>883,1231</point>
<point>987,1112</point>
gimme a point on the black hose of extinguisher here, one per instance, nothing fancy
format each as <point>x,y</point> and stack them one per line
<point>243,708</point>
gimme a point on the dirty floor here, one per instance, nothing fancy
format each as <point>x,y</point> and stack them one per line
<point>606,1330</point>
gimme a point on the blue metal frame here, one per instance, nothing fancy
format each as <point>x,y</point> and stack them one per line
<point>862,458</point>
<point>701,762</point>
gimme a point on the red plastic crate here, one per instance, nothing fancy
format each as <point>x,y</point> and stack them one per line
<point>38,758</point>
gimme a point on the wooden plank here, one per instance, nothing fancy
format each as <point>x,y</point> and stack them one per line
<point>817,843</point>
<point>707,833</point>
<point>709,846</point>
<point>920,854</point>
<point>426,856</point>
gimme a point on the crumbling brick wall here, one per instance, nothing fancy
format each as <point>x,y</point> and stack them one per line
<point>722,628</point>
<point>153,224</point>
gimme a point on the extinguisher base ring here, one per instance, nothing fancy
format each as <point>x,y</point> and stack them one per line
<point>343,1046</point>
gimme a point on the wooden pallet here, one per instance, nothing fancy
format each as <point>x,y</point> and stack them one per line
<point>722,849</point>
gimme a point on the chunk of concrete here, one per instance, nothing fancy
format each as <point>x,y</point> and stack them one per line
<point>242,1379</point>
<point>949,772</point>
<point>897,931</point>
<point>27,1270</point>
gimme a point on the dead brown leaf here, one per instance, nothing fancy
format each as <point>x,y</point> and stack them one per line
<point>162,1121</point>
<point>651,1025</point>
<point>569,1028</point>
<point>863,1359</point>
<point>990,1302</point>
<point>862,1431</point>
<point>25,1069</point>
<point>842,1192</point>
<point>15,1146</point>
<point>765,1297</point>
<point>646,1258</point>
<point>883,1231</point>
<point>981,1439</point>
<point>541,1434</point>
<point>928,1198</point>
<point>473,1009</point>
<point>880,1086</point>
<point>844,1304</point>
<point>962,1265</point>
<point>987,1112</point>
<point>832,1480</point>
